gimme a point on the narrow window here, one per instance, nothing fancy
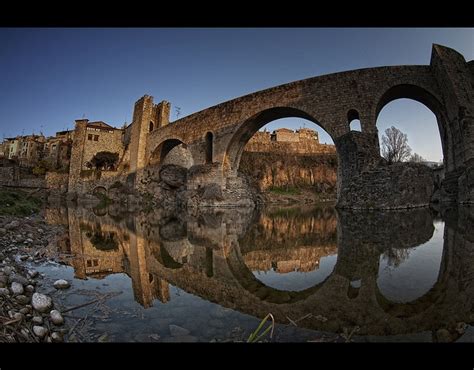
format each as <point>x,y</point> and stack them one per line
<point>151,126</point>
<point>354,120</point>
<point>89,137</point>
<point>96,137</point>
<point>209,143</point>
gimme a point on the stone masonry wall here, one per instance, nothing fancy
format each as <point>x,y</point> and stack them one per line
<point>57,181</point>
<point>296,147</point>
<point>277,169</point>
<point>400,185</point>
<point>110,140</point>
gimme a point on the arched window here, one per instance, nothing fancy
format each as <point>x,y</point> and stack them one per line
<point>353,120</point>
<point>209,149</point>
<point>151,126</point>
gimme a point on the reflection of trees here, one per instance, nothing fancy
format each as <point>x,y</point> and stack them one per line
<point>395,256</point>
<point>104,241</point>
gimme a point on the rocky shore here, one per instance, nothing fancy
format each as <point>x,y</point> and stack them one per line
<point>28,313</point>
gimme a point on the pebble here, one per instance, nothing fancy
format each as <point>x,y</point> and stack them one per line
<point>7,270</point>
<point>41,302</point>
<point>30,288</point>
<point>40,331</point>
<point>61,284</point>
<point>57,337</point>
<point>3,231</point>
<point>22,299</point>
<point>37,320</point>
<point>103,338</point>
<point>17,288</point>
<point>4,292</point>
<point>3,281</point>
<point>177,331</point>
<point>32,273</point>
<point>443,336</point>
<point>461,327</point>
<point>30,235</point>
<point>19,279</point>
<point>41,231</point>
<point>25,310</point>
<point>18,316</point>
<point>56,317</point>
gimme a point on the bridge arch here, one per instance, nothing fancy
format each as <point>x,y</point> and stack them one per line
<point>159,154</point>
<point>249,282</point>
<point>249,127</point>
<point>429,100</point>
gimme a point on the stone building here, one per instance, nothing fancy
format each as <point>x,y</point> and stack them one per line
<point>4,150</point>
<point>304,141</point>
<point>30,149</point>
<point>27,150</point>
<point>11,147</point>
<point>57,149</point>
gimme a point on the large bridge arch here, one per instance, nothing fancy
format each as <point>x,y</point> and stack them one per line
<point>429,99</point>
<point>249,127</point>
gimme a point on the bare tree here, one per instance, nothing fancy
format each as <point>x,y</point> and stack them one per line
<point>416,158</point>
<point>395,146</point>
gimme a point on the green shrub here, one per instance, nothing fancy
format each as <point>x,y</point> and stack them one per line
<point>18,203</point>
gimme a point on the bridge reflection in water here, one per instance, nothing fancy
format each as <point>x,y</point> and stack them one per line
<point>388,273</point>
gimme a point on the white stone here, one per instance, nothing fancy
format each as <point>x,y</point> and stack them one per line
<point>56,317</point>
<point>17,288</point>
<point>40,331</point>
<point>41,302</point>
<point>37,320</point>
<point>61,284</point>
<point>57,337</point>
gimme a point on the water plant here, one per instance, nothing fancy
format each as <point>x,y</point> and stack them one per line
<point>255,337</point>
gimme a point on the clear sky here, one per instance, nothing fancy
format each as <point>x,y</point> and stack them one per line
<point>50,77</point>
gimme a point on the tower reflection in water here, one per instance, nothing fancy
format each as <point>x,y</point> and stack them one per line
<point>386,272</point>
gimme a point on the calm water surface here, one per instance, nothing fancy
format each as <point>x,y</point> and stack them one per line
<point>213,275</point>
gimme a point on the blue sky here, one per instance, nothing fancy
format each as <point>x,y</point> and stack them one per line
<point>50,77</point>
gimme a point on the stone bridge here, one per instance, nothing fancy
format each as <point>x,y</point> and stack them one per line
<point>216,136</point>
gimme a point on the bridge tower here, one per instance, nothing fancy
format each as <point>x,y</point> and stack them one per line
<point>147,117</point>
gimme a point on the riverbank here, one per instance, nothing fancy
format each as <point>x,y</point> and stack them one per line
<point>294,196</point>
<point>27,310</point>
